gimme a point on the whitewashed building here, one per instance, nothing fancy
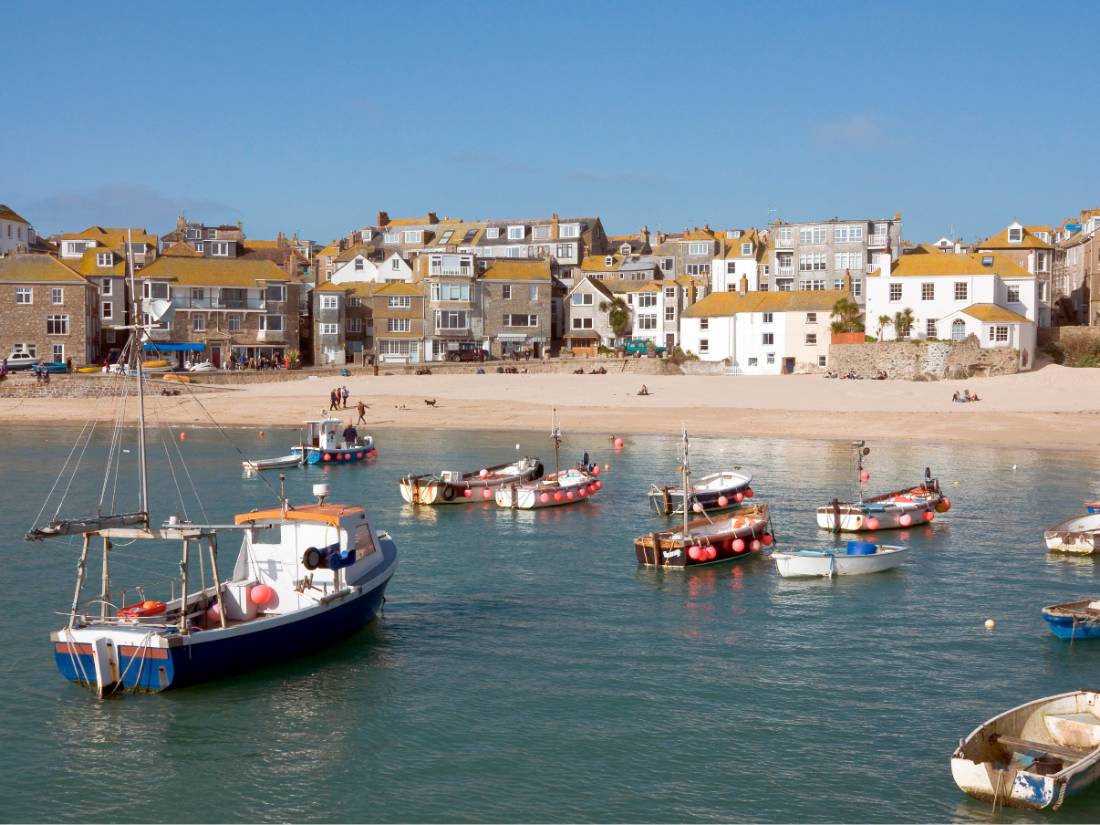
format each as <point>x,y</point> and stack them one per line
<point>743,255</point>
<point>953,296</point>
<point>762,333</point>
<point>16,234</point>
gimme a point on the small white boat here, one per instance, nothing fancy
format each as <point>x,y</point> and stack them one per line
<point>717,491</point>
<point>1080,534</point>
<point>1034,755</point>
<point>282,462</point>
<point>561,487</point>
<point>457,487</point>
<point>860,558</point>
<point>202,366</point>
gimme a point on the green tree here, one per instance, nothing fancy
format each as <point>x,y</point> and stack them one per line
<point>903,322</point>
<point>847,316</point>
<point>618,315</point>
<point>884,321</point>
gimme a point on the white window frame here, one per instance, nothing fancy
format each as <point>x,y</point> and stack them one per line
<point>24,295</point>
<point>517,232</point>
<point>399,325</point>
<point>104,259</point>
<point>569,230</point>
<point>60,324</point>
<point>219,249</point>
<point>895,293</point>
<point>962,290</point>
<point>57,353</point>
<point>233,322</point>
<point>328,329</point>
<point>767,339</point>
<point>492,233</point>
<point>107,311</point>
<point>1013,293</point>
<point>330,302</point>
<point>399,302</point>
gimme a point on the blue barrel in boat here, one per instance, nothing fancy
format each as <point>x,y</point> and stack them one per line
<point>861,548</point>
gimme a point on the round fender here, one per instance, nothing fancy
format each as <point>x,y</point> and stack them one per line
<point>448,492</point>
<point>311,559</point>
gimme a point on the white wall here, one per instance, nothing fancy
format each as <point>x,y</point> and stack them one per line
<point>347,273</point>
<point>741,339</point>
<point>13,235</point>
<point>722,280</point>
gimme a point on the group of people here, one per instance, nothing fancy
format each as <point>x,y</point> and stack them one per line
<point>964,398</point>
<point>338,400</point>
<point>248,362</point>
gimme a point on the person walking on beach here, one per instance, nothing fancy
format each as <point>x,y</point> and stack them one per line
<point>362,410</point>
<point>344,395</point>
<point>334,399</point>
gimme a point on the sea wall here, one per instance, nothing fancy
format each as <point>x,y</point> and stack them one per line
<point>922,360</point>
<point>23,385</point>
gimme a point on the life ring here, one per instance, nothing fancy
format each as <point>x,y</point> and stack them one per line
<point>740,522</point>
<point>142,610</point>
<point>540,471</point>
<point>448,492</point>
<point>311,559</point>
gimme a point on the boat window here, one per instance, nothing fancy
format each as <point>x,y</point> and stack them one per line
<point>267,535</point>
<point>364,540</point>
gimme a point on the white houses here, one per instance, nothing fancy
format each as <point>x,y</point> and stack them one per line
<point>743,255</point>
<point>953,296</point>
<point>358,268</point>
<point>762,333</point>
<point>16,234</point>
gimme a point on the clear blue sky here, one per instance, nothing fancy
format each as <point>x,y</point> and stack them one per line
<point>313,116</point>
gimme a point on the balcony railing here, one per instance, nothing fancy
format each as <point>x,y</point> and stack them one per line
<point>784,272</point>
<point>456,331</point>
<point>877,241</point>
<point>462,271</point>
<point>871,268</point>
<point>781,243</point>
<point>271,335</point>
<point>218,303</point>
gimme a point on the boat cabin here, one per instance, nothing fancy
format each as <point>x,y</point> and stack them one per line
<point>324,434</point>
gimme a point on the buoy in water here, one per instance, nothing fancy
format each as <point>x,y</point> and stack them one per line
<point>596,470</point>
<point>618,443</point>
<point>929,516</point>
<point>990,624</point>
<point>767,538</point>
<point>606,467</point>
<point>183,436</point>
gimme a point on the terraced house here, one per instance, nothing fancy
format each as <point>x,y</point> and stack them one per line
<point>47,310</point>
<point>517,307</point>
<point>357,322</point>
<point>221,308</point>
<point>1030,248</point>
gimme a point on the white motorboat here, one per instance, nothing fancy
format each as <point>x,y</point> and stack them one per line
<point>859,558</point>
<point>457,487</point>
<point>1080,534</point>
<point>1035,755</point>
<point>561,487</point>
<point>280,463</point>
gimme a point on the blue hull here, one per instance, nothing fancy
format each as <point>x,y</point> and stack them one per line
<point>1064,627</point>
<point>201,661</point>
<point>343,456</point>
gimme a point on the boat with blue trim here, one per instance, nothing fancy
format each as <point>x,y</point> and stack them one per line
<point>857,559</point>
<point>327,441</point>
<point>713,492</point>
<point>1074,620</point>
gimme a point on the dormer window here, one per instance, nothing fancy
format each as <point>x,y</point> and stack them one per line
<point>746,250</point>
<point>608,261</point>
<point>516,233</point>
<point>569,230</point>
<point>492,233</point>
<point>104,259</point>
<point>414,236</point>
<point>1015,234</point>
<point>987,260</point>
<point>625,249</point>
<point>391,237</point>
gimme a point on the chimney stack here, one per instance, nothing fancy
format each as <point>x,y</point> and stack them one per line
<point>744,284</point>
<point>383,219</point>
<point>433,218</point>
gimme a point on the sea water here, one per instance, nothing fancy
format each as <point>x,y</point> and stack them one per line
<point>527,669</point>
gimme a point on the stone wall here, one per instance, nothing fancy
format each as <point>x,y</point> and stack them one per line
<point>923,360</point>
<point>23,385</point>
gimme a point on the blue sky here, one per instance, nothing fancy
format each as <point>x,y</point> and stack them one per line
<point>311,117</point>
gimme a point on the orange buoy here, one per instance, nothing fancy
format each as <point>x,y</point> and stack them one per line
<point>183,436</point>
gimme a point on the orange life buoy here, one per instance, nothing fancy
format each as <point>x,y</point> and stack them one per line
<point>142,610</point>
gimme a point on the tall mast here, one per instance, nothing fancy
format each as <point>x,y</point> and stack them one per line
<point>859,469</point>
<point>555,434</point>
<point>138,333</point>
<point>686,477</point>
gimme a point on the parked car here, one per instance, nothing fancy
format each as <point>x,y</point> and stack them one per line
<point>467,355</point>
<point>642,346</point>
<point>22,360</point>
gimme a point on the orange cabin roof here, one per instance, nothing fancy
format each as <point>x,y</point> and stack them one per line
<point>325,513</point>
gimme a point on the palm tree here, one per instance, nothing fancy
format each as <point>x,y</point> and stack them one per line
<point>903,322</point>
<point>618,315</point>
<point>848,316</point>
<point>883,322</point>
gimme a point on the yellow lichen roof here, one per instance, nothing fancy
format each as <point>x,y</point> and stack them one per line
<point>17,269</point>
<point>214,271</point>
<point>89,264</point>
<point>991,313</point>
<point>503,269</point>
<point>1000,241</point>
<point>719,304</point>
<point>331,249</point>
<point>424,221</point>
<point>9,214</point>
<point>264,244</point>
<point>599,263</point>
<point>733,245</point>
<point>181,250</point>
<point>368,289</point>
<point>692,280</point>
<point>112,236</point>
<point>351,252</point>
<point>969,263</point>
<point>698,234</point>
<point>1037,229</point>
<point>637,286</point>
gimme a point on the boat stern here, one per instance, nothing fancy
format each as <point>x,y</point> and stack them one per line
<point>111,661</point>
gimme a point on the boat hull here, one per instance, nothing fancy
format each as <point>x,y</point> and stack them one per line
<point>668,548</point>
<point>343,455</point>
<point>473,489</point>
<point>854,518</point>
<point>668,500</point>
<point>807,564</point>
<point>555,490</point>
<point>1079,535</point>
<point>1074,620</point>
<point>213,654</point>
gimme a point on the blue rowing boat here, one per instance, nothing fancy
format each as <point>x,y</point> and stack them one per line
<point>1074,620</point>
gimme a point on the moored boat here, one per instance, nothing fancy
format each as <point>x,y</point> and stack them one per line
<point>857,559</point>
<point>717,491</point>
<point>1074,620</point>
<point>280,463</point>
<point>556,489</point>
<point>457,487</point>
<point>1080,535</point>
<point>1035,755</point>
<point>324,443</point>
<point>888,511</point>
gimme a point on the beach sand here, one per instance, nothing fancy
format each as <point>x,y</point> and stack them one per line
<point>1054,407</point>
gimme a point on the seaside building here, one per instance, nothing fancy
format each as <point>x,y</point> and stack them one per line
<point>16,232</point>
<point>654,309</point>
<point>741,254</point>
<point>951,297</point>
<point>816,255</point>
<point>48,310</point>
<point>1030,248</point>
<point>1076,265</point>
<point>762,333</point>
<point>360,321</point>
<point>221,308</point>
<point>516,303</point>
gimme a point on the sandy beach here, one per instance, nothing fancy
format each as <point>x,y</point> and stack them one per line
<point>1053,408</point>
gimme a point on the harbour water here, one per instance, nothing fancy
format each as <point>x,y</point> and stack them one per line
<point>526,669</point>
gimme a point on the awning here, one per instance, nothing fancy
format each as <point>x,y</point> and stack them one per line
<point>511,337</point>
<point>151,346</point>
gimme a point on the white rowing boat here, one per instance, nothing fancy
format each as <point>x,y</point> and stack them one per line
<point>860,558</point>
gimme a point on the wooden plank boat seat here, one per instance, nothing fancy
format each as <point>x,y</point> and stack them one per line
<point>1016,744</point>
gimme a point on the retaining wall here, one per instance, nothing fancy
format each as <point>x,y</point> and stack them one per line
<point>923,360</point>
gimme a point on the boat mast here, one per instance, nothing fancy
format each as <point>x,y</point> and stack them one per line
<point>861,451</point>
<point>555,434</point>
<point>138,345</point>
<point>685,472</point>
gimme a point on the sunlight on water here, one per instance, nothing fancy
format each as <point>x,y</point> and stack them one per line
<point>527,669</point>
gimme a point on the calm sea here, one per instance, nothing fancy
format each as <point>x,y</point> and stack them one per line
<point>526,669</point>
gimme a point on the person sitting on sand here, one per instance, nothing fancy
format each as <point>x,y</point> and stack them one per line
<point>955,397</point>
<point>966,396</point>
<point>974,397</point>
<point>644,390</point>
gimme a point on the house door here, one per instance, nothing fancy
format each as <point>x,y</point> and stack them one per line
<point>788,366</point>
<point>216,356</point>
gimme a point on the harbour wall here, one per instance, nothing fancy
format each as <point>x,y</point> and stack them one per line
<point>923,360</point>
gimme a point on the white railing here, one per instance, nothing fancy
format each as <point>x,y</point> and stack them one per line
<point>871,268</point>
<point>780,243</point>
<point>784,272</point>
<point>877,241</point>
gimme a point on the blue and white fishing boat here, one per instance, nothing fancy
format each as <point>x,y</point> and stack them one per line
<point>304,577</point>
<point>323,442</point>
<point>858,559</point>
<point>1074,620</point>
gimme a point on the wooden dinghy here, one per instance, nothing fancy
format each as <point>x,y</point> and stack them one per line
<point>280,463</point>
<point>1035,755</point>
<point>707,541</point>
<point>857,559</point>
<point>717,491</point>
<point>457,487</point>
<point>570,486</point>
<point>1080,535</point>
<point>1074,620</point>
